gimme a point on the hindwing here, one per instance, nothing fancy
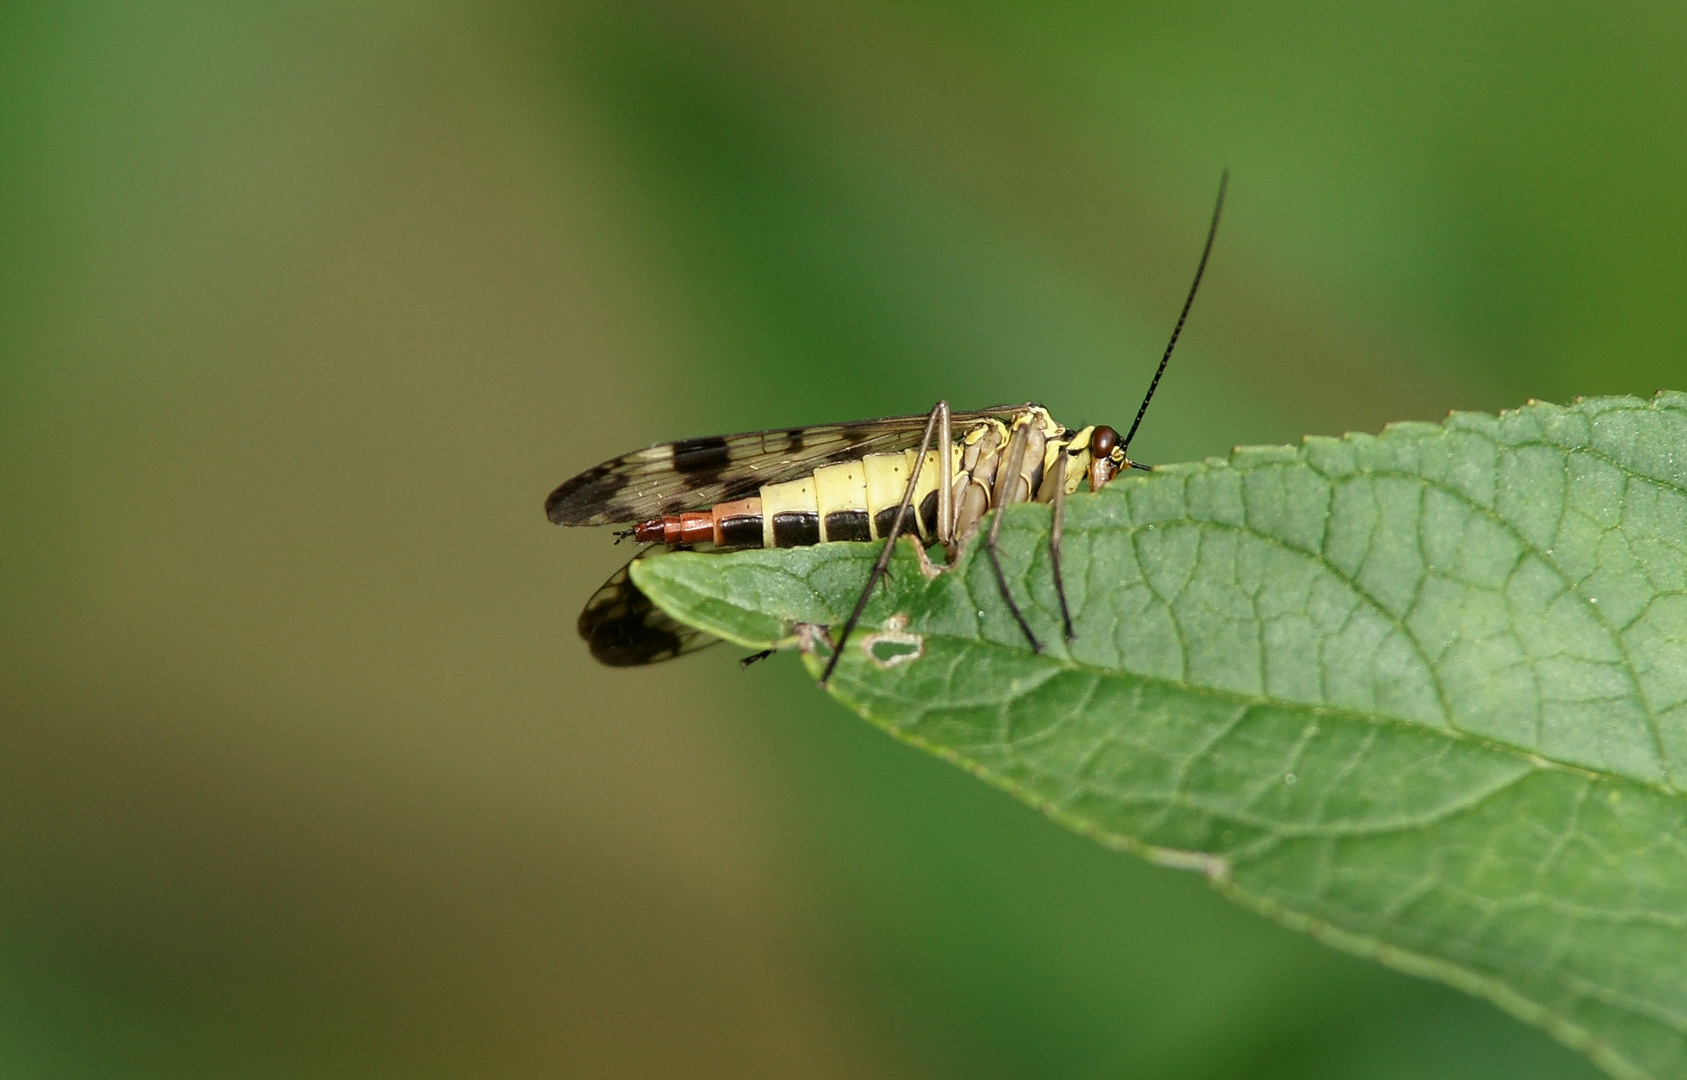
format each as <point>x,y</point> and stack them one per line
<point>624,628</point>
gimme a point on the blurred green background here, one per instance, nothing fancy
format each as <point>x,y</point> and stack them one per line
<point>304,308</point>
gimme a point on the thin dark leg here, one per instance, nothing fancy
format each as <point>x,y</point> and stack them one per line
<point>1059,517</point>
<point>1015,459</point>
<point>945,484</point>
<point>942,407</point>
<point>754,658</point>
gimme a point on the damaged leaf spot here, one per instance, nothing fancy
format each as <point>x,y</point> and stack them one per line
<point>813,640</point>
<point>894,645</point>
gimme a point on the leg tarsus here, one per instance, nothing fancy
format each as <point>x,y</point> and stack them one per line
<point>1057,518</point>
<point>1015,459</point>
<point>940,410</point>
<point>1002,581</point>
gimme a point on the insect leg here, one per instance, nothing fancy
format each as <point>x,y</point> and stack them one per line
<point>1015,460</point>
<point>946,483</point>
<point>941,410</point>
<point>1059,514</point>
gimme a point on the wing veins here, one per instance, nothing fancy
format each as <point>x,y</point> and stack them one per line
<point>623,628</point>
<point>693,474</point>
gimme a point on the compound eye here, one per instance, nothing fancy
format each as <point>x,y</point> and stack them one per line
<point>1102,441</point>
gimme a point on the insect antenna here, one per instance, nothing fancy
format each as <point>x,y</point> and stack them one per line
<point>1212,231</point>
<point>622,534</point>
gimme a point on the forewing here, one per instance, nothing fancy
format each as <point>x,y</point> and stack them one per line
<point>671,478</point>
<point>624,629</point>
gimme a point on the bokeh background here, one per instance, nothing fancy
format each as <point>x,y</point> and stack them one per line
<point>305,307</point>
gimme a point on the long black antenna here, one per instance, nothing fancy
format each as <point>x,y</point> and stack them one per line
<point>1212,231</point>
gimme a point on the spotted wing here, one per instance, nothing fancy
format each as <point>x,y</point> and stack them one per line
<point>672,478</point>
<point>623,628</point>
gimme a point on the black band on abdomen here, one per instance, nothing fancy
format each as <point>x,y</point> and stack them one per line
<point>847,525</point>
<point>796,528</point>
<point>741,531</point>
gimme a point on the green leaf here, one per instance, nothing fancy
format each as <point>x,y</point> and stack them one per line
<point>1422,694</point>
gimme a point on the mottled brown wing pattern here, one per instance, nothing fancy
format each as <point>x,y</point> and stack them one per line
<point>624,629</point>
<point>694,474</point>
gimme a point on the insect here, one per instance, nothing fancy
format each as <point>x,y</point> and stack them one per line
<point>935,475</point>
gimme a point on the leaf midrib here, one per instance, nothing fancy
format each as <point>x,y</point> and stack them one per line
<point>1249,701</point>
<point>1219,867</point>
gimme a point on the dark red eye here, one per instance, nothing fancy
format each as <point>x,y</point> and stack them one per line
<point>1102,441</point>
